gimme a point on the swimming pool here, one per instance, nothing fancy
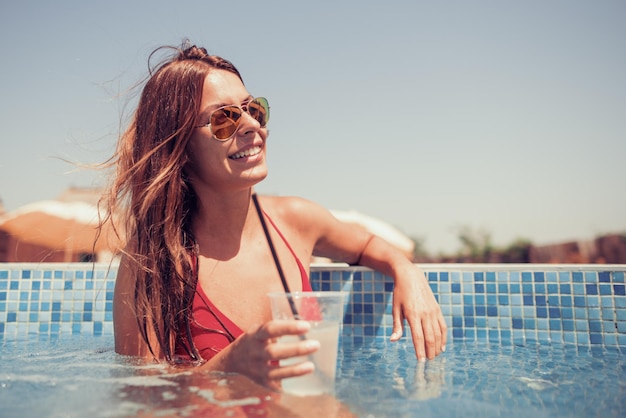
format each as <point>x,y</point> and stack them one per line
<point>541,340</point>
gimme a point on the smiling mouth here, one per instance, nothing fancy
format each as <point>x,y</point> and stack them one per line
<point>247,153</point>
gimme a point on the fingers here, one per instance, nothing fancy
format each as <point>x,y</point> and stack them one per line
<point>277,373</point>
<point>444,331</point>
<point>427,338</point>
<point>297,348</point>
<point>278,328</point>
<point>398,324</point>
<point>432,337</point>
<point>292,370</point>
<point>428,332</point>
<point>279,340</point>
<point>266,347</point>
<point>297,355</point>
<point>417,334</point>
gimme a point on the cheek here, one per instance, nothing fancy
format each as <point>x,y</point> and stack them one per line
<point>192,153</point>
<point>205,157</point>
<point>196,158</point>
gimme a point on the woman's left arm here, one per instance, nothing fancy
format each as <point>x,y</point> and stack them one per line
<point>413,299</point>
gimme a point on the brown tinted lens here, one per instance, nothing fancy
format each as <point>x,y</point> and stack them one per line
<point>224,121</point>
<point>259,109</point>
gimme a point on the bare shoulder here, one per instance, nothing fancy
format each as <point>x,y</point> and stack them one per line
<point>295,210</point>
<point>286,203</point>
<point>123,293</point>
<point>124,281</point>
<point>128,340</point>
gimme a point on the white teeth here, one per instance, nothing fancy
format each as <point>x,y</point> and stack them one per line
<point>246,153</point>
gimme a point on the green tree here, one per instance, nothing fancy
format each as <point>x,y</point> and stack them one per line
<point>476,245</point>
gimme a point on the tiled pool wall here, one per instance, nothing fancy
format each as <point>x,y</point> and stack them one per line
<point>572,304</point>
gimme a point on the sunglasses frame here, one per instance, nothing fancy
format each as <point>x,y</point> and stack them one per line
<point>242,108</point>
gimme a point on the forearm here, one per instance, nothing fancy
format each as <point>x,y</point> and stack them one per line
<point>381,256</point>
<point>222,361</point>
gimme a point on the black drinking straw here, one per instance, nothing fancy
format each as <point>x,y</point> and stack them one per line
<point>292,305</point>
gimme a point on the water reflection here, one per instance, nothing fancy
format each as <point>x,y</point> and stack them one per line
<point>76,378</point>
<point>72,378</point>
<point>193,393</point>
<point>428,380</point>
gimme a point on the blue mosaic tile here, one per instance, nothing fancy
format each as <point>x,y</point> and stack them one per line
<point>604,276</point>
<point>553,300</point>
<point>591,276</point>
<point>578,307</point>
<point>577,277</point>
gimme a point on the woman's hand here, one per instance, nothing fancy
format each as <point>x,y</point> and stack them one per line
<point>256,353</point>
<point>414,301</point>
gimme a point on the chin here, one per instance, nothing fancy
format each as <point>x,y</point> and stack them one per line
<point>257,174</point>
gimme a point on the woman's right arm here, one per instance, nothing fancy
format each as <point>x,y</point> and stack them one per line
<point>254,354</point>
<point>128,338</point>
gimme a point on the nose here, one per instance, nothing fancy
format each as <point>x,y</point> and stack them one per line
<point>248,123</point>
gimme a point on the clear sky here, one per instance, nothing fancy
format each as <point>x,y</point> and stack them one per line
<point>503,116</point>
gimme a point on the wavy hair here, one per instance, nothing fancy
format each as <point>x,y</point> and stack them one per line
<point>152,195</point>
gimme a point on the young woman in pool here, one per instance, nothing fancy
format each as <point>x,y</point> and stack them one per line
<point>194,277</point>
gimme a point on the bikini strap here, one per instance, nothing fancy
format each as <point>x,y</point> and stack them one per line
<point>271,244</point>
<point>303,272</point>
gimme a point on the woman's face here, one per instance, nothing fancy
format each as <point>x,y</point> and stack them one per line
<point>236,163</point>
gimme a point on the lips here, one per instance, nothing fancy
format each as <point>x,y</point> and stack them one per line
<point>246,153</point>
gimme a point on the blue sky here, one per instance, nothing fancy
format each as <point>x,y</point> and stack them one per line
<point>503,116</point>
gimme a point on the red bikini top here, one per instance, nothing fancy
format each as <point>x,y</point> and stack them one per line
<point>211,330</point>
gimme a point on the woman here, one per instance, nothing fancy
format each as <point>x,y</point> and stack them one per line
<point>193,279</point>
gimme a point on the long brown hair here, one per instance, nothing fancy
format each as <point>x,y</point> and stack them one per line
<point>153,197</point>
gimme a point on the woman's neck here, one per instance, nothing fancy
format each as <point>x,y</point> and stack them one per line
<point>224,218</point>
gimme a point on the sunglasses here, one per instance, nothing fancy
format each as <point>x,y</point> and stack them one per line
<point>225,120</point>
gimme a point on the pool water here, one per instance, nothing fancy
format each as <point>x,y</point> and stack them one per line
<point>79,376</point>
<point>478,379</point>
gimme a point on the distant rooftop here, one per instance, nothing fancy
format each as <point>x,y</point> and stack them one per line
<point>81,194</point>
